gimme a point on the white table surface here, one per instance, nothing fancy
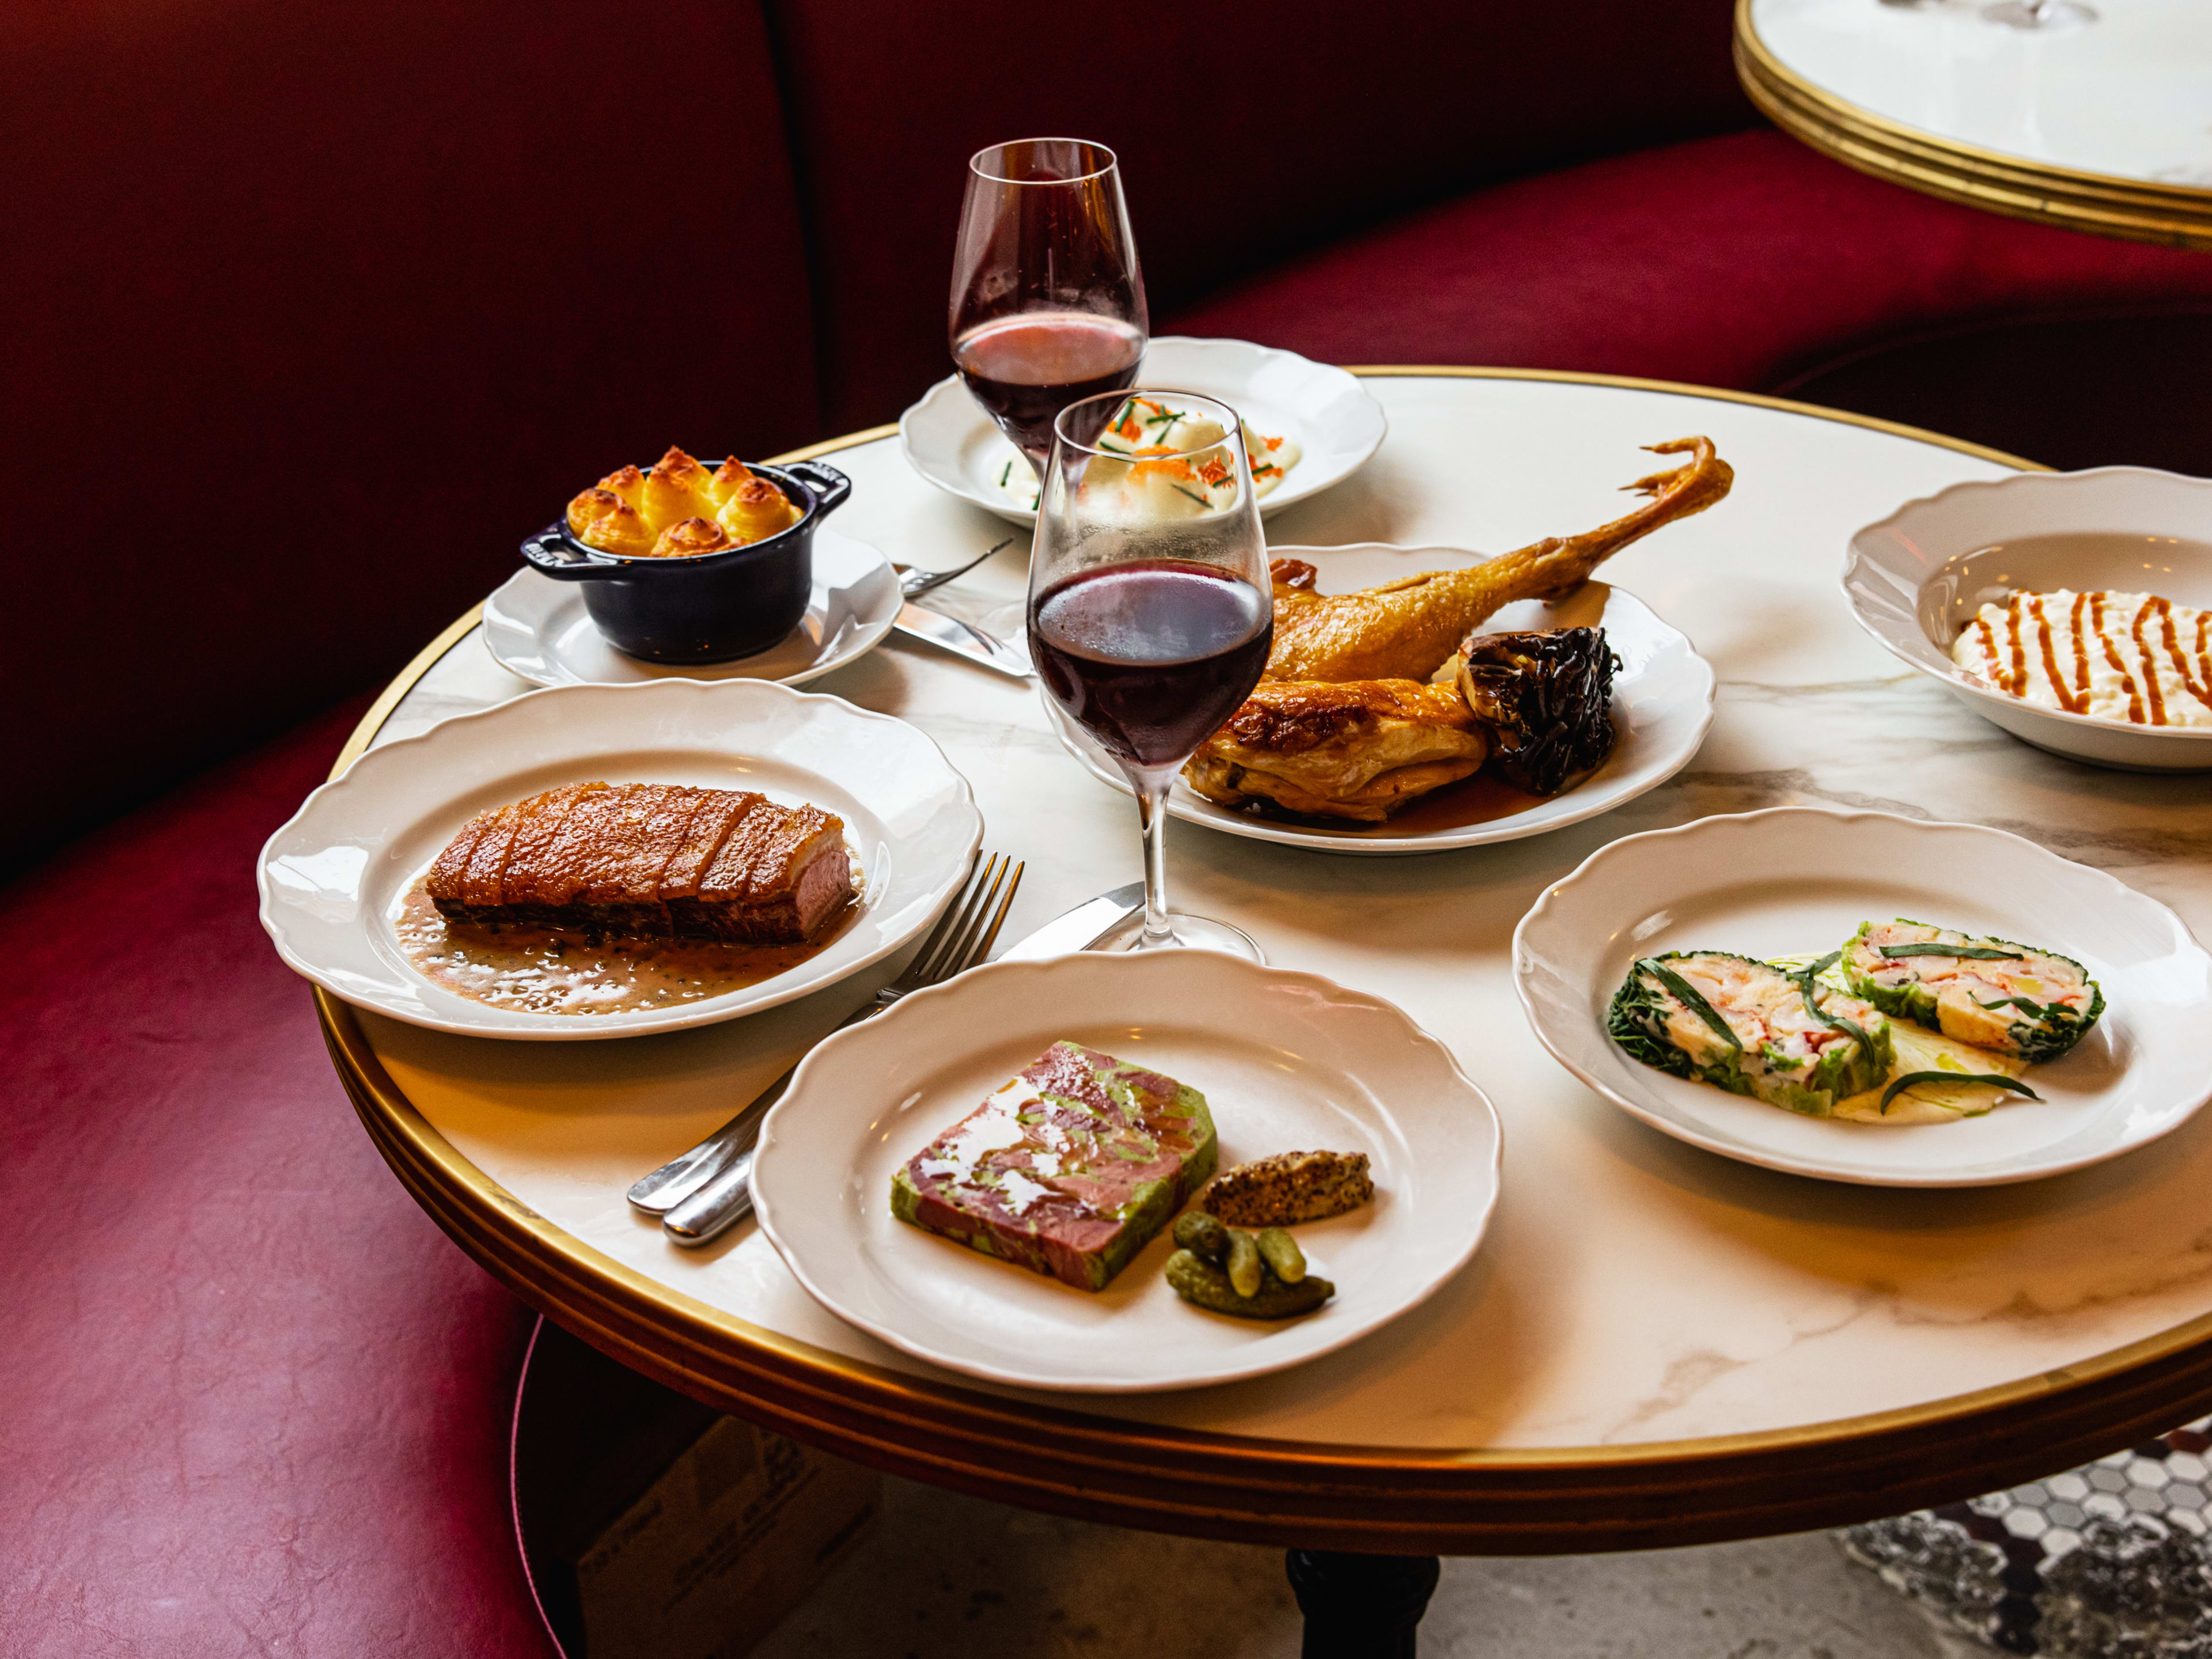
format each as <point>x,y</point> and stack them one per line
<point>1631,1288</point>
<point>2129,96</point>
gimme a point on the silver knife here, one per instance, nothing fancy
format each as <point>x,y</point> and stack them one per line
<point>962,640</point>
<point>719,1195</point>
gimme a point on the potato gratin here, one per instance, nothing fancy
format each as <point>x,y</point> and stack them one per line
<point>680,510</point>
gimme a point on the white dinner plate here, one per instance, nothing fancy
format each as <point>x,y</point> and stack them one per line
<point>1796,879</point>
<point>950,440</point>
<point>332,878</point>
<point>539,628</point>
<point>1662,706</point>
<point>1287,1062</point>
<point>1918,577</point>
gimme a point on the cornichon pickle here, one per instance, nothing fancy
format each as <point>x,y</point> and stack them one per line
<point>1202,1235</point>
<point>1281,1252</point>
<point>1207,1286</point>
<point>1243,1266</point>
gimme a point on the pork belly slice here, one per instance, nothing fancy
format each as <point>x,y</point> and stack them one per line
<point>618,874</point>
<point>647,859</point>
<point>522,884</point>
<point>780,875</point>
<point>721,811</point>
<point>1069,1170</point>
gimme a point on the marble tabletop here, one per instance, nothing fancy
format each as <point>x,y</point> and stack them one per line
<point>2128,95</point>
<point>1632,1288</point>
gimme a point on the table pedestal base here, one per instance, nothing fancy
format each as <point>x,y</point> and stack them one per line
<point>1361,1606</point>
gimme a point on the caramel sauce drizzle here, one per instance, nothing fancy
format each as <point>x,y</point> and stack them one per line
<point>2199,691</point>
<point>1989,650</point>
<point>2018,646</point>
<point>2081,652</point>
<point>2067,699</point>
<point>2151,687</point>
<point>2112,656</point>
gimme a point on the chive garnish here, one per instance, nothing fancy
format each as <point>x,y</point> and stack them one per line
<point>1937,948</point>
<point>1995,1080</point>
<point>1689,996</point>
<point>1200,499</point>
<point>1833,1021</point>
<point>1005,473</point>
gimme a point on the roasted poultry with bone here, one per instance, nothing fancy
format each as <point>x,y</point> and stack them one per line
<point>1374,699</point>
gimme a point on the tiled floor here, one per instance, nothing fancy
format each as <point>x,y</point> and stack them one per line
<point>948,1577</point>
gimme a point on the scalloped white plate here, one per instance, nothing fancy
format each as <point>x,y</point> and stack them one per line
<point>1285,1061</point>
<point>950,440</point>
<point>539,628</point>
<point>1662,706</point>
<point>331,879</point>
<point>1797,878</point>
<point>1918,576</point>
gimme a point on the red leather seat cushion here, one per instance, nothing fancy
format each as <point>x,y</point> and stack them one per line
<point>255,1401</point>
<point>1737,261</point>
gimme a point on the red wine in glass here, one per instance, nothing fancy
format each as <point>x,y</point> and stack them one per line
<point>1150,657</point>
<point>1025,369</point>
<point>1047,300</point>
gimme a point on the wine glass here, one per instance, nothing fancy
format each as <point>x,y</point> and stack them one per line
<point>1047,302</point>
<point>1150,608</point>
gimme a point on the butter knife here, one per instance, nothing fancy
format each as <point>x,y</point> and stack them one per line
<point>724,1197</point>
<point>962,640</point>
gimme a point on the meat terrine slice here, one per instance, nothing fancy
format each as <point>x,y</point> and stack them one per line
<point>1069,1170</point>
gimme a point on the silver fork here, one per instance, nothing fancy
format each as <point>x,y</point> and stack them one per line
<point>699,1194</point>
<point>913,583</point>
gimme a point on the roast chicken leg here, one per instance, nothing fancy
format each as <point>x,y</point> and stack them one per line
<point>1405,629</point>
<point>1344,723</point>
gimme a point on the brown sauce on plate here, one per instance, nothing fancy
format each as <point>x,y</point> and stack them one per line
<point>548,971</point>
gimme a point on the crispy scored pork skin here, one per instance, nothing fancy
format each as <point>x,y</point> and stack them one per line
<point>649,859</point>
<point>1355,751</point>
<point>1404,629</point>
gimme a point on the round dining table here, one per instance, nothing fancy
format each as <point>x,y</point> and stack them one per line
<point>2101,120</point>
<point>1654,1345</point>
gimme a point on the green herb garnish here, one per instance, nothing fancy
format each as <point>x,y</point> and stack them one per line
<point>1005,473</point>
<point>1994,1080</point>
<point>1200,499</point>
<point>1170,417</point>
<point>1689,996</point>
<point>1833,1021</point>
<point>1111,450</point>
<point>1937,948</point>
<point>2033,1010</point>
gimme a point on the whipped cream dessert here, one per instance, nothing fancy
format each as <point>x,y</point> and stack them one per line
<point>2133,658</point>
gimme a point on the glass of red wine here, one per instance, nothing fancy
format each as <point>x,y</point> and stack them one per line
<point>1047,303</point>
<point>1150,608</point>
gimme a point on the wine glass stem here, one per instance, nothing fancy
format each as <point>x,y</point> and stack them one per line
<point>1152,815</point>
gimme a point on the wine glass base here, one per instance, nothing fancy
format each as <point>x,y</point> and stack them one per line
<point>1191,933</point>
<point>2022,14</point>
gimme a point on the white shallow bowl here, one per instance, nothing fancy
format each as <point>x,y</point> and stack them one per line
<point>1286,1061</point>
<point>1662,706</point>
<point>332,878</point>
<point>1796,879</point>
<point>539,628</point>
<point>950,440</point>
<point>1914,580</point>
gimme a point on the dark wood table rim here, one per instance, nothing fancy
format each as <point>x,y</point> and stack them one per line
<point>1474,1501</point>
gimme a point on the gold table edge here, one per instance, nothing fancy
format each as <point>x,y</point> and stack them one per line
<point>1101,1480</point>
<point>2131,209</point>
